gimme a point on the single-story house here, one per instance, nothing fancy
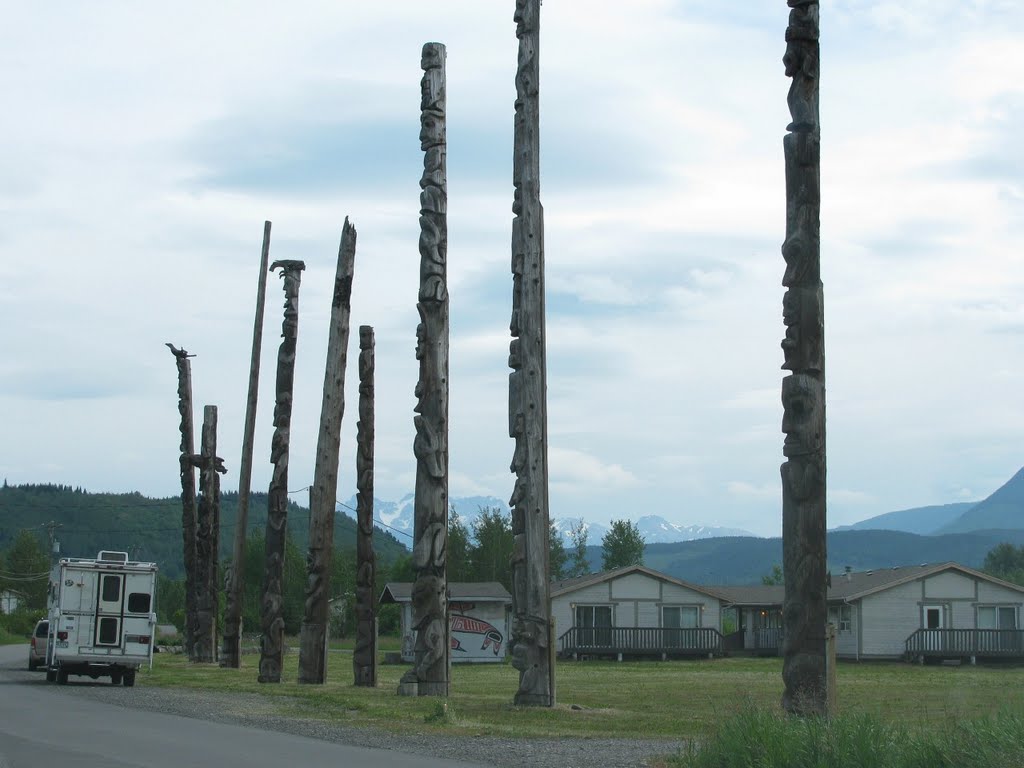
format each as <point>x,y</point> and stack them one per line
<point>944,610</point>
<point>478,616</point>
<point>10,600</point>
<point>635,611</point>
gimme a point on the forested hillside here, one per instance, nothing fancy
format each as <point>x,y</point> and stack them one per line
<point>146,528</point>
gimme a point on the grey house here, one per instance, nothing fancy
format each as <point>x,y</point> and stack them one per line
<point>926,611</point>
<point>635,611</point>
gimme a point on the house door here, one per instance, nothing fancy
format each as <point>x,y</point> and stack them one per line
<point>594,625</point>
<point>934,622</point>
<point>109,609</point>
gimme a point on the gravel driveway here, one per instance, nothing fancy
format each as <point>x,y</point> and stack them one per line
<point>252,710</point>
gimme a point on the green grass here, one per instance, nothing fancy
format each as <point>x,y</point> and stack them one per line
<point>671,700</point>
<point>9,638</point>
<point>762,739</point>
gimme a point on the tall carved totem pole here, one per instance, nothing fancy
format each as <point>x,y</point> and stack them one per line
<point>272,602</point>
<point>430,673</point>
<point>186,469</point>
<point>530,641</point>
<point>364,656</point>
<point>324,491</point>
<point>803,390</point>
<point>210,466</point>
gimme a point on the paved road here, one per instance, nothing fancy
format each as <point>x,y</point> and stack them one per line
<point>42,725</point>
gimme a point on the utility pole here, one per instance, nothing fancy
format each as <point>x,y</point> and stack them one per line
<point>231,652</point>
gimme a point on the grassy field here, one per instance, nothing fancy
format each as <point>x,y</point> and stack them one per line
<point>678,699</point>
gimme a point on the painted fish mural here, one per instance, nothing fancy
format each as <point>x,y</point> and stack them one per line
<point>489,635</point>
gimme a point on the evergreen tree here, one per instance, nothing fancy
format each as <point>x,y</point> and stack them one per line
<point>557,556</point>
<point>578,565</point>
<point>622,545</point>
<point>26,569</point>
<point>1005,561</point>
<point>492,548</point>
<point>459,567</point>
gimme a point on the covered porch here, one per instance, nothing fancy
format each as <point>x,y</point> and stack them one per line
<point>626,642</point>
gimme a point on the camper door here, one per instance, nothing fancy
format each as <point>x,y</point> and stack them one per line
<point>109,610</point>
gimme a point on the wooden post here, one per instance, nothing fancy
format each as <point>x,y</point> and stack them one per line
<point>207,540</point>
<point>803,391</point>
<point>831,707</point>
<point>272,603</point>
<point>430,673</point>
<point>188,493</point>
<point>364,656</point>
<point>323,493</point>
<point>531,605</point>
<point>231,652</point>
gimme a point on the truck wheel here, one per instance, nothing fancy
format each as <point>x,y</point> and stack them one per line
<point>51,675</point>
<point>129,678</point>
<point>115,677</point>
<point>62,676</point>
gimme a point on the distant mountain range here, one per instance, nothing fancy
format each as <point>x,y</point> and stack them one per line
<point>398,517</point>
<point>1002,510</point>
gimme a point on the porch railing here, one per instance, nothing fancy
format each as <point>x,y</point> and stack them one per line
<point>645,641</point>
<point>966,642</point>
<point>768,639</point>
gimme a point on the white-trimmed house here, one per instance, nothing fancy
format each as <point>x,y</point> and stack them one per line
<point>945,610</point>
<point>10,600</point>
<point>635,611</point>
<point>478,616</point>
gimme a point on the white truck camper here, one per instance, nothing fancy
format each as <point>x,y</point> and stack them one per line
<point>102,618</point>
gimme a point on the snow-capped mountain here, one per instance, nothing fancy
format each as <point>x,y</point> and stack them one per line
<point>658,530</point>
<point>397,516</point>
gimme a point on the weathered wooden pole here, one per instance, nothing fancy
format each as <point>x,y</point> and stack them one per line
<point>804,608</point>
<point>430,673</point>
<point>188,493</point>
<point>323,493</point>
<point>531,612</point>
<point>364,656</point>
<point>210,466</point>
<point>272,603</point>
<point>231,652</point>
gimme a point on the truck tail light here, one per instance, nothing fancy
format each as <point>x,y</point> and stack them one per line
<point>62,635</point>
<point>140,639</point>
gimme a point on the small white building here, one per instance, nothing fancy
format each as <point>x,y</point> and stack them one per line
<point>478,615</point>
<point>10,600</point>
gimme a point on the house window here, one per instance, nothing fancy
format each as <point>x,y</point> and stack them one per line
<point>997,617</point>
<point>680,616</point>
<point>841,617</point>
<point>594,625</point>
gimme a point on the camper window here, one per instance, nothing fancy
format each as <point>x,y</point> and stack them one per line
<point>138,602</point>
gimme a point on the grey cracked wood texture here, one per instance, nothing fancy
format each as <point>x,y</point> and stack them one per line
<point>803,391</point>
<point>231,648</point>
<point>210,466</point>
<point>324,491</point>
<point>188,491</point>
<point>429,675</point>
<point>364,655</point>
<point>530,641</point>
<point>272,600</point>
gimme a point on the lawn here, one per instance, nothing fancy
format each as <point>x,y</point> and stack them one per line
<point>677,699</point>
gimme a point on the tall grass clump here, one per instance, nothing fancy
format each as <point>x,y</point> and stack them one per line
<point>766,739</point>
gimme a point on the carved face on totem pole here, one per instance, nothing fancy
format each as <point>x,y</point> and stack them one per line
<point>525,16</point>
<point>802,347</point>
<point>803,417</point>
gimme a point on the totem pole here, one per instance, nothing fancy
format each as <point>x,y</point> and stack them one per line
<point>429,675</point>
<point>231,650</point>
<point>803,390</point>
<point>364,656</point>
<point>210,466</point>
<point>530,641</point>
<point>188,492</point>
<point>324,491</point>
<point>272,603</point>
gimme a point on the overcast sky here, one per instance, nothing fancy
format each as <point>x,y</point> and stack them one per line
<point>144,145</point>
